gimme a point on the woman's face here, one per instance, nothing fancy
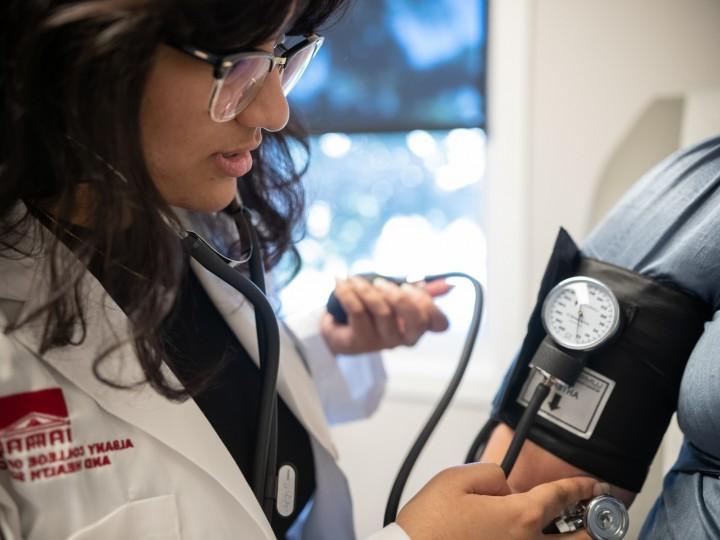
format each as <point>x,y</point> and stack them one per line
<point>193,160</point>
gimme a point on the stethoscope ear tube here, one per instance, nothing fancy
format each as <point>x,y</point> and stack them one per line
<point>269,344</point>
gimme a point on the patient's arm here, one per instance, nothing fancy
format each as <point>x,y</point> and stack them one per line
<point>535,465</point>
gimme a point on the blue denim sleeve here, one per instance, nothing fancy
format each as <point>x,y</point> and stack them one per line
<point>666,226</point>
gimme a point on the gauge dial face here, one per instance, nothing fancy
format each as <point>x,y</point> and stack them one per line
<point>581,313</point>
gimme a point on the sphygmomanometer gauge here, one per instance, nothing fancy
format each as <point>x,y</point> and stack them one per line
<point>581,313</point>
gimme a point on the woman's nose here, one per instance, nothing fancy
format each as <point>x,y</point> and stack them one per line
<point>269,110</point>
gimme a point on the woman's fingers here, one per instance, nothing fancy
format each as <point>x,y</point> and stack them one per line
<point>474,501</point>
<point>383,315</point>
<point>412,319</point>
<point>348,339</point>
<point>438,287</point>
<point>381,310</point>
<point>415,309</point>
<point>423,297</point>
<point>478,479</point>
<point>554,497</point>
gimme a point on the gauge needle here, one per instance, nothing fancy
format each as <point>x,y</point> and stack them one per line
<point>579,320</point>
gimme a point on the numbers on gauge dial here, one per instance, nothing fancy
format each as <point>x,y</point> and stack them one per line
<point>581,313</point>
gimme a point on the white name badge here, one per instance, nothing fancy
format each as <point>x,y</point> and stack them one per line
<point>286,490</point>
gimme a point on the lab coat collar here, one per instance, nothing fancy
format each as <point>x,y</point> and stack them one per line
<point>181,426</point>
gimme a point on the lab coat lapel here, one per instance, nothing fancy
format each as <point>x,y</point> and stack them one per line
<point>180,426</point>
<point>295,385</point>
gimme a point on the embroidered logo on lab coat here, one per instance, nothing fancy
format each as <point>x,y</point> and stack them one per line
<point>36,441</point>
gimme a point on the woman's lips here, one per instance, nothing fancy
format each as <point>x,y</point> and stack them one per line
<point>234,163</point>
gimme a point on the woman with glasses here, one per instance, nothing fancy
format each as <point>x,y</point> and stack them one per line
<point>129,385</point>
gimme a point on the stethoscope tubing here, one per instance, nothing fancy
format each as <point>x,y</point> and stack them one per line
<point>269,357</point>
<point>266,469</point>
<point>268,337</point>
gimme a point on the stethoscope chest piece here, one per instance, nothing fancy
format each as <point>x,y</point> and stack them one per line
<point>606,518</point>
<point>603,518</point>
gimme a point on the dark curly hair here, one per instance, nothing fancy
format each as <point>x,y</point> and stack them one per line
<point>72,77</point>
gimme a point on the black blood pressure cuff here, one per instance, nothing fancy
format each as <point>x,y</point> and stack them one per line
<point>611,422</point>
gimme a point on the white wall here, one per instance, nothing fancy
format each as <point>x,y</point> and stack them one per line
<point>570,80</point>
<point>596,66</point>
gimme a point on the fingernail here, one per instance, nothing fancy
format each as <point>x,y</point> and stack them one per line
<point>380,282</point>
<point>601,488</point>
<point>447,287</point>
<point>408,287</point>
<point>438,286</point>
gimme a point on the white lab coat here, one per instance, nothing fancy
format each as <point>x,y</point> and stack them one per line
<point>82,460</point>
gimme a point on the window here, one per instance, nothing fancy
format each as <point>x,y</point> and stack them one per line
<point>395,102</point>
<point>398,65</point>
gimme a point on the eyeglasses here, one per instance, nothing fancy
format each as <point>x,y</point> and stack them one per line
<point>239,76</point>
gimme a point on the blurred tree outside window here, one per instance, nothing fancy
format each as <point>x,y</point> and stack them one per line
<point>395,101</point>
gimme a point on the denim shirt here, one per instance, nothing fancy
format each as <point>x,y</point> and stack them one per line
<point>667,226</point>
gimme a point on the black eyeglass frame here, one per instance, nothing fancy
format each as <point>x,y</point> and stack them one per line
<point>223,63</point>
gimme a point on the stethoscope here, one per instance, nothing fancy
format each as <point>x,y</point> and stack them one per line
<point>264,476</point>
<point>268,340</point>
<point>592,515</point>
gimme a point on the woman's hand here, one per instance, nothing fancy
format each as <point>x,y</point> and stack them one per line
<point>535,465</point>
<point>474,502</point>
<point>383,315</point>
